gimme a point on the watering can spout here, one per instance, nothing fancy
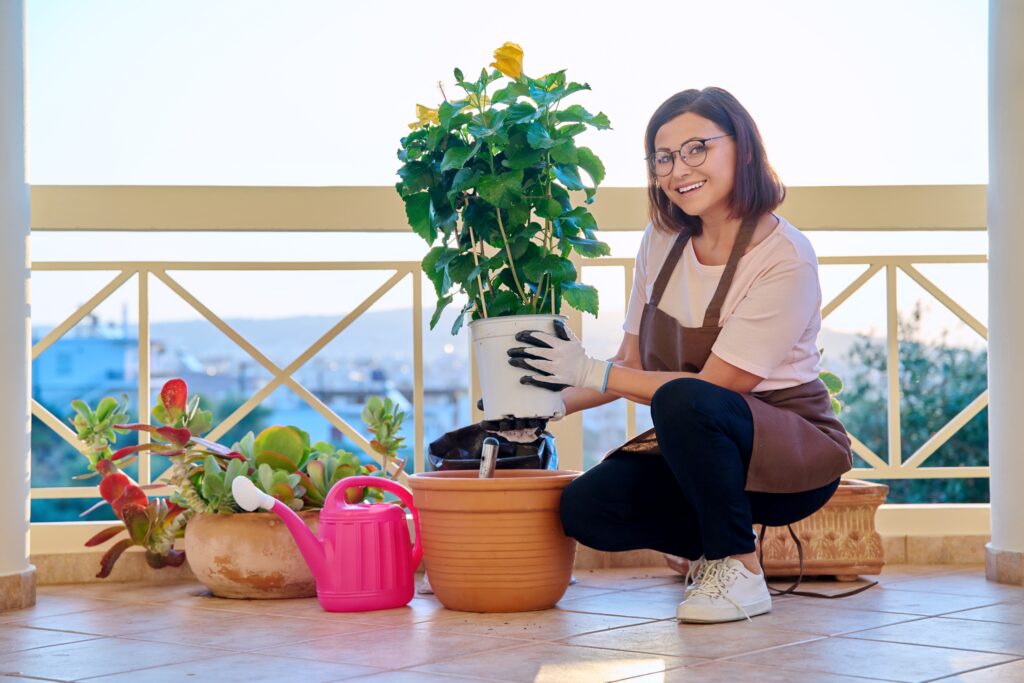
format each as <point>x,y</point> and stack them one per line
<point>250,498</point>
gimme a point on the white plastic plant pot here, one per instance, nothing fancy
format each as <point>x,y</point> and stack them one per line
<point>503,394</point>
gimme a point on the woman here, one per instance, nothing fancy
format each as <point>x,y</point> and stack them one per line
<point>719,339</point>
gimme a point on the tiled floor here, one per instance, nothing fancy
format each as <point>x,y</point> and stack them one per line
<point>919,624</point>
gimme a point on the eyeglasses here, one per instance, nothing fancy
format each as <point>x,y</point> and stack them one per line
<point>692,153</point>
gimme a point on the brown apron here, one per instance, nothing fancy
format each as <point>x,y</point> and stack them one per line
<point>799,444</point>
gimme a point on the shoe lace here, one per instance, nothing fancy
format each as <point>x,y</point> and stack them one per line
<point>717,577</point>
<point>695,572</point>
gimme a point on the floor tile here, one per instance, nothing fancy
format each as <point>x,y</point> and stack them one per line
<point>415,677</point>
<point>47,606</point>
<point>98,657</point>
<point>642,604</point>
<point>16,638</point>
<point>257,669</point>
<point>627,578</point>
<point>1007,613</point>
<point>1001,673</point>
<point>555,663</point>
<point>728,671</point>
<point>819,617</point>
<point>984,636</point>
<point>393,648</point>
<point>552,624</point>
<point>969,583</point>
<point>887,661</point>
<point>671,638</point>
<point>883,599</point>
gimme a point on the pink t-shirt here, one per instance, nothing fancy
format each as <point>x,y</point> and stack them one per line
<point>771,315</point>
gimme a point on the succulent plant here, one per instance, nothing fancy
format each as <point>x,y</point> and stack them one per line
<point>152,524</point>
<point>281,448</point>
<point>326,468</point>
<point>96,428</point>
<point>175,409</point>
<point>285,486</point>
<point>384,420</point>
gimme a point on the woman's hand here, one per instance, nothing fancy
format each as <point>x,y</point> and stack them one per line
<point>560,361</point>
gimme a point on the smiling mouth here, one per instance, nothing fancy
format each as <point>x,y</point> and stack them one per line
<point>688,189</point>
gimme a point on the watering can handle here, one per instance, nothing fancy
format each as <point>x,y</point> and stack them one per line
<point>392,487</point>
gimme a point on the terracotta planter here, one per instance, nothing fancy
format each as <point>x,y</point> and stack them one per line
<point>495,545</point>
<point>249,555</point>
<point>840,539</point>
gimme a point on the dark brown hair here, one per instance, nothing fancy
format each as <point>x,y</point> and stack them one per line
<point>757,189</point>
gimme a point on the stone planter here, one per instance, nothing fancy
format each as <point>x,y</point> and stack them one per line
<point>840,539</point>
<point>249,555</point>
<point>495,545</point>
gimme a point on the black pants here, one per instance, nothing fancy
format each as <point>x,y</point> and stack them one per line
<point>688,501</point>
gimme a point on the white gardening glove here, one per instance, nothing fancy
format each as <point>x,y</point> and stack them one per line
<point>559,360</point>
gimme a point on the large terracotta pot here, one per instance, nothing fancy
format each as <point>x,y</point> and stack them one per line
<point>249,555</point>
<point>840,539</point>
<point>495,545</point>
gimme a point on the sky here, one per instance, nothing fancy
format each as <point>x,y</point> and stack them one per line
<point>261,92</point>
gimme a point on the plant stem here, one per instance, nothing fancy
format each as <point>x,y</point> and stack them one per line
<point>479,282</point>
<point>508,252</point>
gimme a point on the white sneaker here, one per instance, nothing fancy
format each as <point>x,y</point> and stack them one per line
<point>691,570</point>
<point>726,592</point>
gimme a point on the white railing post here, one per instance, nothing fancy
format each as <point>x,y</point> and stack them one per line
<point>17,575</point>
<point>1004,555</point>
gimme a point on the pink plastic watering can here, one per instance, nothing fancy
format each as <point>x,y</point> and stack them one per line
<point>362,559</point>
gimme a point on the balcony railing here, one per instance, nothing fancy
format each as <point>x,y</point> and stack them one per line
<point>377,209</point>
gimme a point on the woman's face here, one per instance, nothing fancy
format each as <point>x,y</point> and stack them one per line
<point>713,178</point>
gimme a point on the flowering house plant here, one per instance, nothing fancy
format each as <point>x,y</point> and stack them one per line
<point>280,460</point>
<point>495,166</point>
<point>486,180</point>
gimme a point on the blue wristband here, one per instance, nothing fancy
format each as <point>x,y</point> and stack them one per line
<point>607,371</point>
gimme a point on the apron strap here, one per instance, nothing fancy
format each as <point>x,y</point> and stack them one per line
<point>792,590</point>
<point>714,312</point>
<point>671,260</point>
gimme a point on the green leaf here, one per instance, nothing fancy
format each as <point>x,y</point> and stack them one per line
<point>417,211</point>
<point>442,303</point>
<point>464,180</point>
<point>836,406</point>
<point>521,112</point>
<point>456,157</point>
<point>568,176</point>
<point>509,93</point>
<point>565,153</point>
<point>458,74</point>
<point>589,248</point>
<point>558,268</point>
<point>415,176</point>
<point>591,164</point>
<point>460,267</point>
<point>539,137</point>
<point>580,296</point>
<point>501,190</point>
<point>600,121</point>
<point>520,158</point>
<point>502,303</point>
<point>566,132</point>
<point>832,381</point>
<point>449,110</point>
<point>548,208</point>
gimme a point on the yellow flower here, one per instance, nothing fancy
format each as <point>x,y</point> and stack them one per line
<point>424,116</point>
<point>508,59</point>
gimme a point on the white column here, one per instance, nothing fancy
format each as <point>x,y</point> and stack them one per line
<point>17,576</point>
<point>1004,556</point>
